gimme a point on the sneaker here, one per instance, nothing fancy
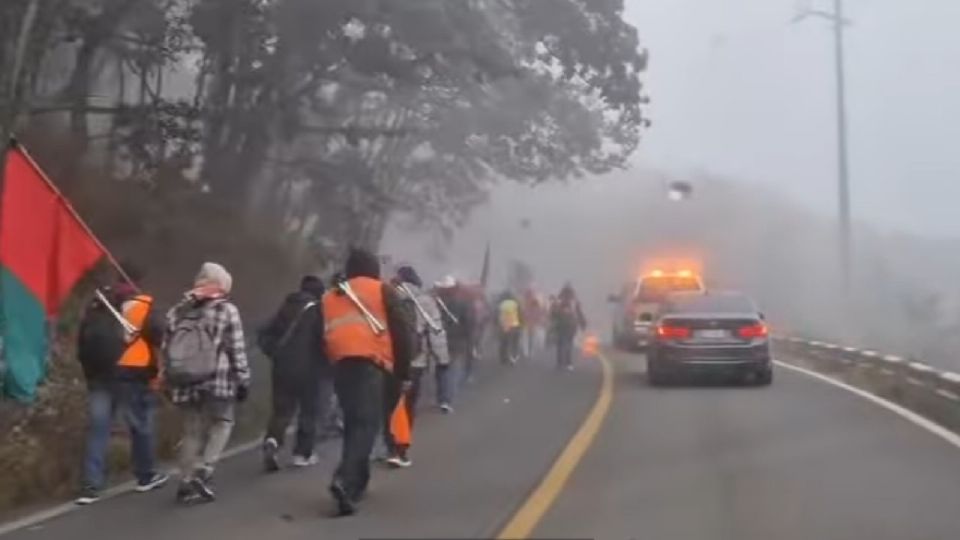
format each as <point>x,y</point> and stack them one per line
<point>88,495</point>
<point>186,494</point>
<point>446,408</point>
<point>569,367</point>
<point>300,461</point>
<point>202,485</point>
<point>345,506</point>
<point>157,481</point>
<point>271,448</point>
<point>399,462</point>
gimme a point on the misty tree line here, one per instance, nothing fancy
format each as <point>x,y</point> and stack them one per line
<point>318,120</point>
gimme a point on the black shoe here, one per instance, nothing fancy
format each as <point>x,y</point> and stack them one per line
<point>201,483</point>
<point>88,495</point>
<point>186,494</point>
<point>345,505</point>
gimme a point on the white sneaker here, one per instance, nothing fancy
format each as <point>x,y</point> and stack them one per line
<point>300,461</point>
<point>446,408</point>
<point>157,481</point>
<point>399,462</point>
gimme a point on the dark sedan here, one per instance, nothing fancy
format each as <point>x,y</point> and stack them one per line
<point>713,333</point>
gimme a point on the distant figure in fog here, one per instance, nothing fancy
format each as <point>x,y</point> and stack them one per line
<point>511,327</point>
<point>566,320</point>
<point>459,323</point>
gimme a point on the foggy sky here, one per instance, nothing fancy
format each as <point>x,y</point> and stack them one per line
<point>740,91</point>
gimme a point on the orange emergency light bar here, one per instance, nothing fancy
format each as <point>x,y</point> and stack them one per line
<point>679,273</point>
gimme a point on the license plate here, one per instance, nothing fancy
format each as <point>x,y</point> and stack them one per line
<point>712,334</point>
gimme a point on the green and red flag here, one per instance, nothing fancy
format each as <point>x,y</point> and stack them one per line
<point>44,250</point>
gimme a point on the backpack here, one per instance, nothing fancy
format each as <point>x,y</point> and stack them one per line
<point>100,341</point>
<point>191,350</point>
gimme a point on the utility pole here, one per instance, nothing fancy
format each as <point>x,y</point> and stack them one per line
<point>843,170</point>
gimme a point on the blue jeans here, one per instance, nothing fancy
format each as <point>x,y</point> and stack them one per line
<point>444,378</point>
<point>135,402</point>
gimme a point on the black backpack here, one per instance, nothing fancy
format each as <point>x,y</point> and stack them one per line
<point>100,341</point>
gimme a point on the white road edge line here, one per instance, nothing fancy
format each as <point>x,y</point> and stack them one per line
<point>32,520</point>
<point>916,419</point>
<point>948,394</point>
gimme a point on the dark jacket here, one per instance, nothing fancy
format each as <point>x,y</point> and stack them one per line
<point>100,341</point>
<point>461,331</point>
<point>567,317</point>
<point>402,323</point>
<point>293,338</point>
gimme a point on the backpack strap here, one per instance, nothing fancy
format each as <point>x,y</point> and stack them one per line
<point>288,333</point>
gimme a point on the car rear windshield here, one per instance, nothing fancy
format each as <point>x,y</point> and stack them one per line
<point>709,303</point>
<point>656,289</point>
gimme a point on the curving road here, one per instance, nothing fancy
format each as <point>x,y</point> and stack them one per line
<point>798,460</point>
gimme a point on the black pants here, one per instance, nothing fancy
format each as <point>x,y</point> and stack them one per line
<point>564,349</point>
<point>295,393</point>
<point>510,345</point>
<point>391,396</point>
<point>360,389</point>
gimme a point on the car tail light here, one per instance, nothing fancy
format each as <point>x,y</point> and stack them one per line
<point>753,331</point>
<point>667,332</point>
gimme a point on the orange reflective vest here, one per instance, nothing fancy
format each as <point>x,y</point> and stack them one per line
<point>138,354</point>
<point>346,331</point>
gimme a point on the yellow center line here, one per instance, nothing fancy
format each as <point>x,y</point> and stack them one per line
<point>523,522</point>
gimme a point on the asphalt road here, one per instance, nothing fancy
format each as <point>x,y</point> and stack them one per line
<point>471,470</point>
<point>799,460</point>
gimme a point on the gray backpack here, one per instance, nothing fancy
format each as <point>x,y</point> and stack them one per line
<point>191,352</point>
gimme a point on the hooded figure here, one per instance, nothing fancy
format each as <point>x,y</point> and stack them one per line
<point>368,337</point>
<point>208,405</point>
<point>302,381</point>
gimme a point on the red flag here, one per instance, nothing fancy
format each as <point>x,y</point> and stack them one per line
<point>42,241</point>
<point>44,250</point>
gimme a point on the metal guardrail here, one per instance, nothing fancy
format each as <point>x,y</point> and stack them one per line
<point>929,391</point>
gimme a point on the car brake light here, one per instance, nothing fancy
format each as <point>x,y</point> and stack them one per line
<point>673,332</point>
<point>753,331</point>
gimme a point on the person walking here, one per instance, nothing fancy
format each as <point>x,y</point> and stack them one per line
<point>534,315</point>
<point>431,349</point>
<point>367,335</point>
<point>510,326</point>
<point>120,367</point>
<point>301,376</point>
<point>458,319</point>
<point>207,374</point>
<point>567,319</point>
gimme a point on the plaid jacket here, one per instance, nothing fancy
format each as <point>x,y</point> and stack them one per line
<point>233,371</point>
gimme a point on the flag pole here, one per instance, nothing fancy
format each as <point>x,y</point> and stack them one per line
<point>15,145</point>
